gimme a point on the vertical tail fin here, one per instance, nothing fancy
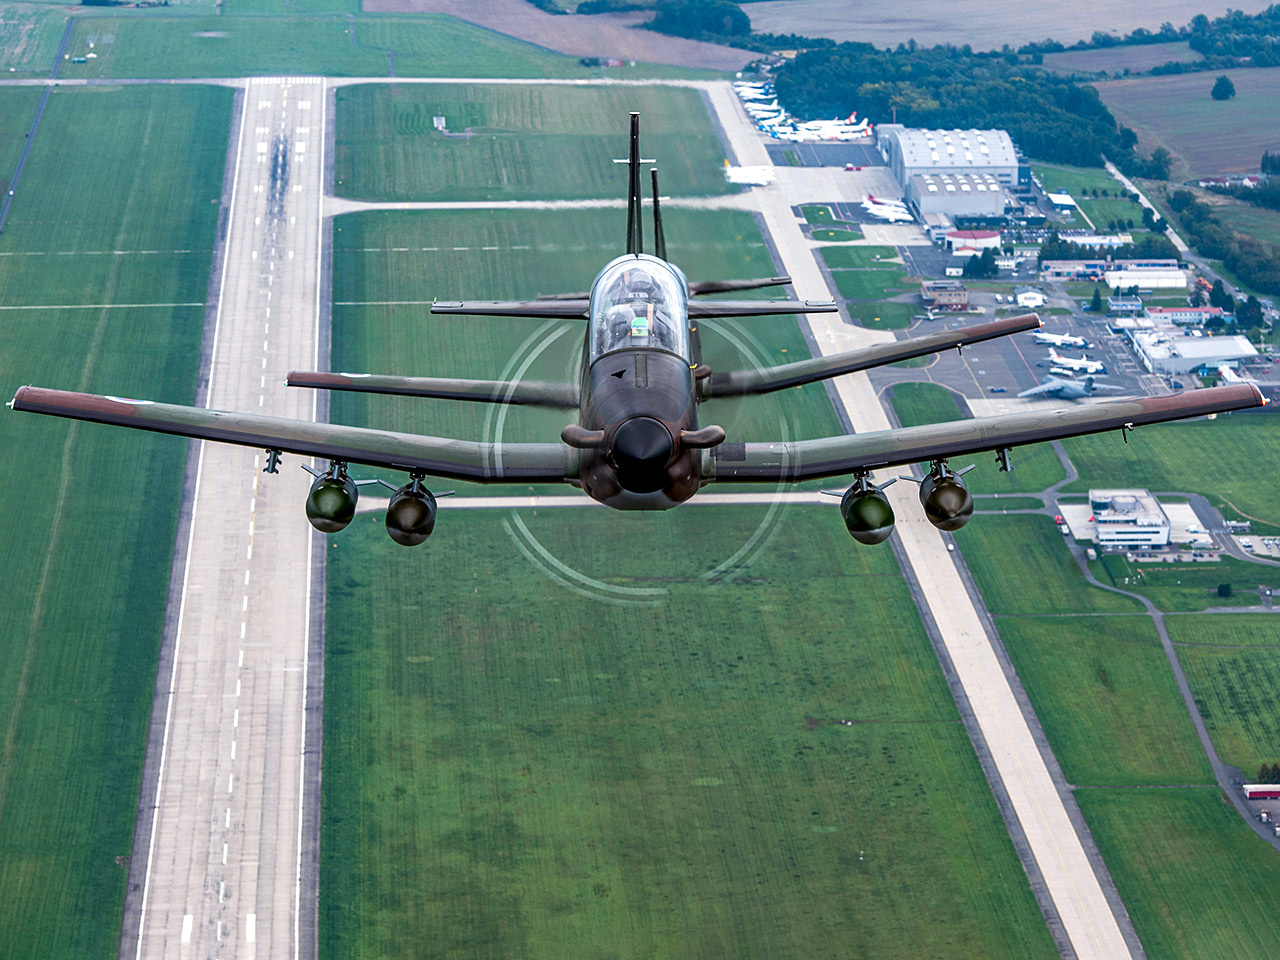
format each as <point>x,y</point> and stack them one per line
<point>635,234</point>
<point>659,238</point>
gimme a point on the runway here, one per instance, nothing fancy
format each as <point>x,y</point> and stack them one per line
<point>222,876</point>
<point>1074,888</point>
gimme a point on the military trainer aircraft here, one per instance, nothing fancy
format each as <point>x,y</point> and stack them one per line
<point>637,442</point>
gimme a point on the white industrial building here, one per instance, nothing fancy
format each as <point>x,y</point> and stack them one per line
<point>976,239</point>
<point>1170,352</point>
<point>957,194</point>
<point>1029,297</point>
<point>1147,279</point>
<point>911,152</point>
<point>1128,518</point>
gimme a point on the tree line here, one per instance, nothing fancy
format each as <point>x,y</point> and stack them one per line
<point>1254,262</point>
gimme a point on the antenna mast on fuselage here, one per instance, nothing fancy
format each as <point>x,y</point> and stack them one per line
<point>635,232</point>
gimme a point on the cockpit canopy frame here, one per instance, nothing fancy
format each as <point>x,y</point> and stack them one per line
<point>639,301</point>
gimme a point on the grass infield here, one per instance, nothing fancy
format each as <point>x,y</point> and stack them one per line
<point>89,512</point>
<point>518,143</point>
<point>512,769</point>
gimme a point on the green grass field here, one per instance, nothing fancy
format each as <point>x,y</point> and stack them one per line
<point>1206,136</point>
<point>1036,467</point>
<point>1010,503</point>
<point>521,771</point>
<point>843,235</point>
<point>17,109</point>
<point>90,511</point>
<point>1195,879</point>
<point>425,45</point>
<point>1023,569</point>
<point>29,37</point>
<point>1232,664</point>
<point>861,258</point>
<point>1112,60</point>
<point>872,284</point>
<point>518,143</point>
<point>1187,586</point>
<point>1256,222</point>
<point>1217,458</point>
<point>1104,692</point>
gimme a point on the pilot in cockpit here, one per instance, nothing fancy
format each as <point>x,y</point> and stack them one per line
<point>637,315</point>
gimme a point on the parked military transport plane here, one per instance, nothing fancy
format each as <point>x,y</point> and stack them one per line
<point>1065,389</point>
<point>637,442</point>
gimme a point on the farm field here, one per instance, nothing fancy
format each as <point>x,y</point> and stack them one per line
<point>1101,210</point>
<point>425,45</point>
<point>1224,468</point>
<point>1113,60</point>
<point>1006,554</point>
<point>17,108</point>
<point>1196,880</point>
<point>887,23</point>
<point>88,578</point>
<point>1232,664</point>
<point>520,143</point>
<point>1037,467</point>
<point>29,37</point>
<point>522,771</point>
<point>379,257</point>
<point>1256,222</point>
<point>1104,692</point>
<point>1205,136</point>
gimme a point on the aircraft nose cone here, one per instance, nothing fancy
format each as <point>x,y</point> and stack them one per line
<point>642,448</point>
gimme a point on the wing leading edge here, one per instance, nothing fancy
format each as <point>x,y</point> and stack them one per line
<point>437,456</point>
<point>766,379</point>
<point>833,456</point>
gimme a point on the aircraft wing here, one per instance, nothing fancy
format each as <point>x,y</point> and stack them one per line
<point>737,382</point>
<point>1043,389</point>
<point>535,393</point>
<point>553,309</point>
<point>578,309</point>
<point>832,456</point>
<point>438,456</point>
<point>701,309</point>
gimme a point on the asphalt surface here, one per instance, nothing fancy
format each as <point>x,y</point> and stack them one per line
<point>228,870</point>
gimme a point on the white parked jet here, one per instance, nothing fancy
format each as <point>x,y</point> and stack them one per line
<point>1080,365</point>
<point>1230,376</point>
<point>1063,340</point>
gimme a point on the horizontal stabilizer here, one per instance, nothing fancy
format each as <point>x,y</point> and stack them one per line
<point>702,309</point>
<point>552,309</point>
<point>578,309</point>
<point>726,286</point>
<point>534,393</point>
<point>737,382</point>
<point>696,288</point>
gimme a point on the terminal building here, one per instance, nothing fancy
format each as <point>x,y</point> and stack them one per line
<point>1128,518</point>
<point>944,294</point>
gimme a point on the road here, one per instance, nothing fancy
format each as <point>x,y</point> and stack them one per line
<point>225,849</point>
<point>1075,890</point>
